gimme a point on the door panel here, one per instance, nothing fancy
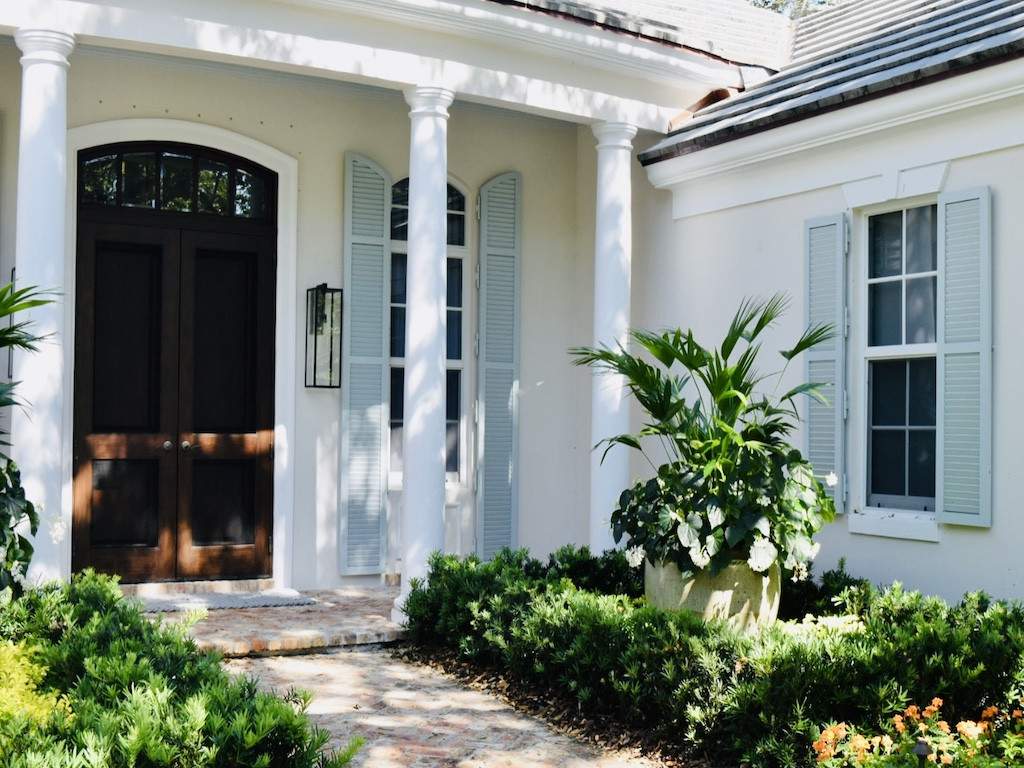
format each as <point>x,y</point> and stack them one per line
<point>126,393</point>
<point>226,414</point>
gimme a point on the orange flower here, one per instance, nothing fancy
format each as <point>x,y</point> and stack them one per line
<point>989,712</point>
<point>946,759</point>
<point>930,712</point>
<point>937,702</point>
<point>1017,714</point>
<point>943,726</point>
<point>913,712</point>
<point>897,721</point>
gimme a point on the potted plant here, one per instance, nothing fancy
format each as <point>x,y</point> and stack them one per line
<point>733,502</point>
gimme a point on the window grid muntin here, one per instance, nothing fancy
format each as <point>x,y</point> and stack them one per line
<point>905,352</point>
<point>460,252</point>
<point>158,150</point>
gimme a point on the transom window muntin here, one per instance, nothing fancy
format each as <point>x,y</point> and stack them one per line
<point>454,326</point>
<point>175,178</point>
<point>902,289</point>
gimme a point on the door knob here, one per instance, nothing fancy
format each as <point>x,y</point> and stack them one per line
<point>168,445</point>
<point>185,445</point>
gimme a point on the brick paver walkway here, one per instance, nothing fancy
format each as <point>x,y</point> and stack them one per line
<point>347,616</point>
<point>413,716</point>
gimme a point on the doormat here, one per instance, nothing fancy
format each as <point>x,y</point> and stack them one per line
<point>215,601</point>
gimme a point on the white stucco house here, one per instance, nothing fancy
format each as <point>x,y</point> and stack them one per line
<point>319,264</point>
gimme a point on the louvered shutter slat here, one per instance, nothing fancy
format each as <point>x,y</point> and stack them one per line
<point>964,371</point>
<point>499,372</point>
<point>824,243</point>
<point>364,381</point>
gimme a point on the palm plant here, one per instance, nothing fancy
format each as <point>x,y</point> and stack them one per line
<point>17,513</point>
<point>730,485</point>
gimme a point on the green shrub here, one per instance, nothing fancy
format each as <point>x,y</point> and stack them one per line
<point>139,693</point>
<point>758,699</point>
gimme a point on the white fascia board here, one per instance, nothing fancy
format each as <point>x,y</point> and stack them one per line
<point>789,159</point>
<point>604,49</point>
<point>285,37</point>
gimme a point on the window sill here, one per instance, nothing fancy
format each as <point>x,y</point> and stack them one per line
<point>894,524</point>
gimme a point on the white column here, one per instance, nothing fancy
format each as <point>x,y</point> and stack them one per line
<point>612,255</point>
<point>37,430</point>
<point>423,461</point>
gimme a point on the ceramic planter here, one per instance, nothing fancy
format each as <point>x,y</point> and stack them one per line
<point>745,599</point>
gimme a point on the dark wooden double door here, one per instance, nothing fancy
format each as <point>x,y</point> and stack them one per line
<point>174,383</point>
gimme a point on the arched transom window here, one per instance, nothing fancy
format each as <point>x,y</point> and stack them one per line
<point>177,178</point>
<point>454,324</point>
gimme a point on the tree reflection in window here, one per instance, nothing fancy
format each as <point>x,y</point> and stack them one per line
<point>175,178</point>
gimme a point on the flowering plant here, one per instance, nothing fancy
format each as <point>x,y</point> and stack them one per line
<point>918,734</point>
<point>732,486</point>
<point>18,516</point>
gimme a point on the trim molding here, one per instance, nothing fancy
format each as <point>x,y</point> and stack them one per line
<point>565,39</point>
<point>965,92</point>
<point>285,338</point>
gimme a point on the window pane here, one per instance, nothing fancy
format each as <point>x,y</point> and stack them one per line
<point>400,192</point>
<point>99,180</point>
<point>398,331</point>
<point>453,329</point>
<point>398,272</point>
<point>453,391</point>
<point>921,310</point>
<point>397,393</point>
<point>922,245</point>
<point>175,182</point>
<point>454,282</point>
<point>397,436</point>
<point>884,314</point>
<point>456,229</point>
<point>452,401</point>
<point>888,393</point>
<point>456,200</point>
<point>922,463</point>
<point>213,187</point>
<point>885,244</point>
<point>888,461</point>
<point>399,223</point>
<point>139,170</point>
<point>922,392</point>
<point>250,195</point>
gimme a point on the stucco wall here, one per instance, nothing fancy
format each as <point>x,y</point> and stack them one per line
<point>700,267</point>
<point>316,122</point>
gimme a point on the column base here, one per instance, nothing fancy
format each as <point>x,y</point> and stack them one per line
<point>398,611</point>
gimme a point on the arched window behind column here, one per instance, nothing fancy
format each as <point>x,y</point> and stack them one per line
<point>453,323</point>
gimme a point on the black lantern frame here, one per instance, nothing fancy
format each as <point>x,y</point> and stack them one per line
<point>323,337</point>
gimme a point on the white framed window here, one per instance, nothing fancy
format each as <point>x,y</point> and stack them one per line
<point>456,329</point>
<point>900,358</point>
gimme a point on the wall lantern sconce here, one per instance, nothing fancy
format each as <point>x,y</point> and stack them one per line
<point>323,337</point>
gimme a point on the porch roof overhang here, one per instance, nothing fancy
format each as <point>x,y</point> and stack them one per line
<point>484,52</point>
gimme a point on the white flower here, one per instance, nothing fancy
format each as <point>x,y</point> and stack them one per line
<point>764,501</point>
<point>800,572</point>
<point>699,557</point>
<point>58,530</point>
<point>762,555</point>
<point>831,479</point>
<point>635,556</point>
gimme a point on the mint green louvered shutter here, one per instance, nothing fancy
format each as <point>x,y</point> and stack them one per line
<point>825,246</point>
<point>365,372</point>
<point>964,371</point>
<point>500,205</point>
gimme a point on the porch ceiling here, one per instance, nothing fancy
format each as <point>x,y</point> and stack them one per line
<point>484,52</point>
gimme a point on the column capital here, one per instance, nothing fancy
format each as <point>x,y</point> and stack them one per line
<point>44,45</point>
<point>613,135</point>
<point>429,100</point>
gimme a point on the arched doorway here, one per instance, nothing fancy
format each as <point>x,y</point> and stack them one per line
<point>174,363</point>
